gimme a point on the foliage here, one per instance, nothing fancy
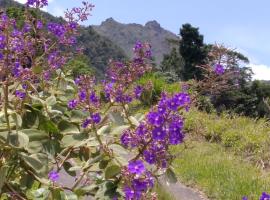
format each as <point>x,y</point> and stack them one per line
<point>80,66</point>
<point>220,174</point>
<point>193,50</point>
<point>98,49</point>
<point>245,136</point>
<point>172,63</point>
<point>52,125</point>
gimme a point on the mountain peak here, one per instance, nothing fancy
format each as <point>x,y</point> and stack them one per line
<point>109,21</point>
<point>153,24</point>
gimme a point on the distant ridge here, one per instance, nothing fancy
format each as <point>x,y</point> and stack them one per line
<point>125,35</point>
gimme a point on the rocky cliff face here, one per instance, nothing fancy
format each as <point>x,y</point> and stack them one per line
<point>125,35</point>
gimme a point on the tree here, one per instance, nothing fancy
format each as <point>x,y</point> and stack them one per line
<point>193,51</point>
<point>172,64</point>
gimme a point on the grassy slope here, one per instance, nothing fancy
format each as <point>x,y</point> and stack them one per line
<point>218,173</point>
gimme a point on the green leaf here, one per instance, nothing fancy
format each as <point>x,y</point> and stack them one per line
<point>47,125</point>
<point>134,121</point>
<point>3,173</point>
<point>72,140</point>
<point>170,176</point>
<point>77,116</point>
<point>119,129</point>
<point>17,140</point>
<point>38,162</point>
<point>50,101</point>
<point>67,167</point>
<point>18,119</point>
<point>117,118</point>
<point>66,127</point>
<point>103,130</point>
<point>112,171</point>
<point>120,153</point>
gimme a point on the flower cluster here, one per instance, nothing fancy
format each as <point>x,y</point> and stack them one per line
<point>118,87</point>
<point>219,69</point>
<point>162,127</point>
<point>87,99</point>
<point>37,3</point>
<point>137,180</point>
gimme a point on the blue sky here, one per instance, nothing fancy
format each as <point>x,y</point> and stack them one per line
<point>240,24</point>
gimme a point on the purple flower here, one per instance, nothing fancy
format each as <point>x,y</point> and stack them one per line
<point>141,129</point>
<point>73,25</point>
<point>131,194</point>
<point>159,133</point>
<point>1,56</point>
<point>138,46</point>
<point>96,118</point>
<point>176,137</point>
<point>265,196</point>
<point>27,28</point>
<point>138,91</point>
<point>57,29</point>
<point>20,94</point>
<point>219,69</point>
<point>125,138</point>
<point>149,157</point>
<point>73,103</point>
<point>86,123</point>
<point>39,24</point>
<point>136,167</point>
<point>155,118</point>
<point>244,198</point>
<point>139,185</point>
<point>93,97</point>
<point>37,3</point>
<point>53,176</point>
<point>82,95</point>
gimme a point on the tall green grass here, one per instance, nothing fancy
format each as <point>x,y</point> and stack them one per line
<point>245,136</point>
<point>220,174</point>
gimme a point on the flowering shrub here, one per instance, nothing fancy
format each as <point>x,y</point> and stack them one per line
<point>52,125</point>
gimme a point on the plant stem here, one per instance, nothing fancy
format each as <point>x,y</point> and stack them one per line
<point>5,88</point>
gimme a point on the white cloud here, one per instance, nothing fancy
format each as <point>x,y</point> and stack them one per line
<point>261,72</point>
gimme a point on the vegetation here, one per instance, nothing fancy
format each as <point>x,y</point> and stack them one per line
<point>219,173</point>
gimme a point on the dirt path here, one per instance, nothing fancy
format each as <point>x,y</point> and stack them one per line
<point>181,192</point>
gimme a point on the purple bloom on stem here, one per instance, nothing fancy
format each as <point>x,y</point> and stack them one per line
<point>141,129</point>
<point>96,118</point>
<point>138,91</point>
<point>159,133</point>
<point>125,138</point>
<point>155,118</point>
<point>93,97</point>
<point>139,185</point>
<point>149,157</point>
<point>53,176</point>
<point>265,196</point>
<point>72,103</point>
<point>138,46</point>
<point>20,94</point>
<point>136,167</point>
<point>82,95</point>
<point>86,123</point>
<point>176,137</point>
<point>39,24</point>
<point>131,194</point>
<point>219,69</point>
<point>244,198</point>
